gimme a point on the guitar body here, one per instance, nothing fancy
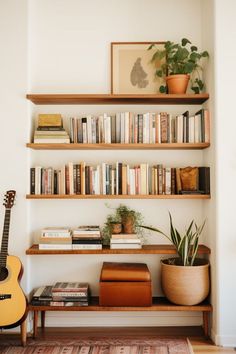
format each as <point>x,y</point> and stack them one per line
<point>12,298</point>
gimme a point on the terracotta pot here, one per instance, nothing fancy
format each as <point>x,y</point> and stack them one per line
<point>185,285</point>
<point>128,225</point>
<point>177,83</point>
<point>116,228</point>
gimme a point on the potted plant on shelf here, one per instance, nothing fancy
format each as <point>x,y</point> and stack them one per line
<point>182,62</point>
<point>129,221</point>
<point>185,279</point>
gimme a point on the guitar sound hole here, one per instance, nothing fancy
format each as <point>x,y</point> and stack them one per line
<point>3,273</point>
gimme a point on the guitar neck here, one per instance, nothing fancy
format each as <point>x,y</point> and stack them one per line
<point>5,237</point>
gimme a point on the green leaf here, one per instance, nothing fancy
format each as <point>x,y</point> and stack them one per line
<point>151,46</point>
<point>193,48</point>
<point>163,89</point>
<point>195,89</point>
<point>190,227</point>
<point>185,41</point>
<point>194,251</point>
<point>205,54</point>
<point>159,73</point>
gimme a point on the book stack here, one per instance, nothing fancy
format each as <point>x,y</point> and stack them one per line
<point>70,294</point>
<point>120,241</point>
<point>50,130</point>
<point>55,238</point>
<point>86,237</point>
<point>42,296</point>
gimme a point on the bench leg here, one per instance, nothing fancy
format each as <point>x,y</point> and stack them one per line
<point>43,319</point>
<point>206,323</point>
<point>23,333</point>
<point>35,323</point>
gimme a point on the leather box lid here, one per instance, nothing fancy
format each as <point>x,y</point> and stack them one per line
<point>114,271</point>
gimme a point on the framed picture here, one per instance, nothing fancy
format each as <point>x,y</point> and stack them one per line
<point>132,71</point>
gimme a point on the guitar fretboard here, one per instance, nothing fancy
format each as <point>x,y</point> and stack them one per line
<point>5,237</point>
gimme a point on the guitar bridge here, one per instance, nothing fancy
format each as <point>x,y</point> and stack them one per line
<point>5,296</point>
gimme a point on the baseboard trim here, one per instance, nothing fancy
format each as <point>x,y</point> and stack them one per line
<point>224,341</point>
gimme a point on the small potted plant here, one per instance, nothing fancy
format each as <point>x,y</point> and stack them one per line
<point>130,218</point>
<point>185,279</point>
<point>182,61</point>
<point>129,221</point>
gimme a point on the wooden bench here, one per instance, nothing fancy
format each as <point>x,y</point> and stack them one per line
<point>159,304</point>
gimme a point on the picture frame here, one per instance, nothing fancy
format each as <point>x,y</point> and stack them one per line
<point>132,71</point>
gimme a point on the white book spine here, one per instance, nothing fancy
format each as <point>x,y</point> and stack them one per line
<point>49,246</point>
<point>126,129</point>
<point>86,247</point>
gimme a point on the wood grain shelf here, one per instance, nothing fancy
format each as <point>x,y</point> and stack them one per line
<point>90,99</point>
<point>120,196</point>
<point>163,146</point>
<point>159,304</point>
<point>146,249</point>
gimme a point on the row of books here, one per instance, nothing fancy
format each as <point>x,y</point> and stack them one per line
<point>108,179</point>
<point>147,128</point>
<point>127,241</point>
<point>83,237</point>
<point>62,294</point>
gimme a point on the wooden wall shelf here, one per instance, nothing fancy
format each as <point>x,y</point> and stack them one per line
<point>121,196</point>
<point>146,249</point>
<point>169,99</point>
<point>163,146</point>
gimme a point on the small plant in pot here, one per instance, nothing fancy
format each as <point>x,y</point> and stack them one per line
<point>183,61</point>
<point>128,219</point>
<point>185,279</point>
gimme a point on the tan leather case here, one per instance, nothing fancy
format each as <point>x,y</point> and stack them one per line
<point>125,284</point>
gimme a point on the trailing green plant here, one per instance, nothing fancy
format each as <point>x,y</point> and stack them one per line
<point>121,213</point>
<point>181,58</point>
<point>186,245</point>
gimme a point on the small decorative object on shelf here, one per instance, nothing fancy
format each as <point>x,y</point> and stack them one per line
<point>180,63</point>
<point>185,280</point>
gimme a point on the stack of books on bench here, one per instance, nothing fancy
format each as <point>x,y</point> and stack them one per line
<point>121,241</point>
<point>62,294</point>
<point>86,237</point>
<point>70,294</point>
<point>55,238</point>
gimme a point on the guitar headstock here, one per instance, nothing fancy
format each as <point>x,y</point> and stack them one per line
<point>9,199</point>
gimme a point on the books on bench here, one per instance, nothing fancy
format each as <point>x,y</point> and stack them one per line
<point>62,294</point>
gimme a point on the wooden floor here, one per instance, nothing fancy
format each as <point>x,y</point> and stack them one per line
<point>200,344</point>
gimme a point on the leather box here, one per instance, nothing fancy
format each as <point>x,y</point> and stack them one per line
<point>125,284</point>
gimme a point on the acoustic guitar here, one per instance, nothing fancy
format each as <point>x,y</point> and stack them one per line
<point>12,298</point>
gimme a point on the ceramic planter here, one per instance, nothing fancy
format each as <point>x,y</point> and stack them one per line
<point>185,285</point>
<point>177,84</point>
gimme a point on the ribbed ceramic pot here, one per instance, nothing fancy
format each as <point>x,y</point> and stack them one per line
<point>185,285</point>
<point>177,83</point>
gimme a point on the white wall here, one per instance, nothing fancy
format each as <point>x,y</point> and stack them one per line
<point>14,122</point>
<point>225,34</point>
